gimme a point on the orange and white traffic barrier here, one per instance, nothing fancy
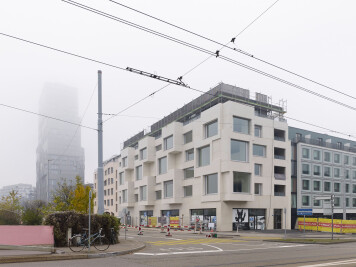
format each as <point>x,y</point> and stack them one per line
<point>140,231</point>
<point>168,231</point>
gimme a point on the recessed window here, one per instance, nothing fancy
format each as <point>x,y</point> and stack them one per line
<point>354,161</point>
<point>305,200</point>
<point>241,182</point>
<point>143,193</point>
<point>189,155</point>
<point>258,189</point>
<point>189,173</point>
<point>305,184</point>
<point>136,157</point>
<point>327,156</point>
<point>354,202</point>
<point>316,185</point>
<point>211,129</point>
<point>158,194</point>
<point>168,189</point>
<point>327,171</point>
<point>337,158</point>
<point>347,188</point>
<point>337,187</point>
<point>188,137</point>
<point>139,172</point>
<point>347,202</point>
<point>346,160</point>
<point>316,170</point>
<point>353,175</point>
<point>211,184</point>
<point>121,178</point>
<point>336,172</point>
<point>317,203</point>
<point>337,201</point>
<point>347,174</point>
<point>158,148</point>
<point>354,188</point>
<point>258,130</point>
<point>168,142</point>
<point>241,125</point>
<point>327,187</point>
<point>204,156</point>
<point>258,169</point>
<point>305,169</point>
<point>239,150</point>
<point>162,165</point>
<point>143,153</point>
<point>259,151</point>
<point>316,155</point>
<point>188,191</point>
<point>305,153</point>
<point>124,162</point>
<point>124,196</point>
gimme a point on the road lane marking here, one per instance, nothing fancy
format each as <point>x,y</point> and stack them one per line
<point>194,241</point>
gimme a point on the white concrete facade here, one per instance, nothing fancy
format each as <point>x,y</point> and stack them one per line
<point>225,177</point>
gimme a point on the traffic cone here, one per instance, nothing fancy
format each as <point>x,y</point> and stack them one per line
<point>168,232</point>
<point>140,231</point>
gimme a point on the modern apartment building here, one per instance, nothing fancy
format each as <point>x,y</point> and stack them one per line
<point>322,165</point>
<point>60,155</point>
<point>25,191</point>
<point>224,157</point>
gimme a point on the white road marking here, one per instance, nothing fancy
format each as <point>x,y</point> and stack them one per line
<point>219,249</point>
<point>331,263</point>
<point>168,238</point>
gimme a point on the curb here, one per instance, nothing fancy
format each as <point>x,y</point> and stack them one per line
<point>29,248</point>
<point>59,257</point>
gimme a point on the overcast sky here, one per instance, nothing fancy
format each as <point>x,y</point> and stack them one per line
<point>313,38</point>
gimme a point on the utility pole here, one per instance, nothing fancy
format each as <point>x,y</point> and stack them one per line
<point>100,171</point>
<point>89,239</point>
<point>48,161</point>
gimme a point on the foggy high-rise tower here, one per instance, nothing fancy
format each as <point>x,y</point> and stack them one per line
<point>60,155</point>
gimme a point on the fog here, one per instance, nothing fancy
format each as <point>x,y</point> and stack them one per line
<point>316,39</point>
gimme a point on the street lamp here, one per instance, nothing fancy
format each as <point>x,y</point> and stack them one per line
<point>48,179</point>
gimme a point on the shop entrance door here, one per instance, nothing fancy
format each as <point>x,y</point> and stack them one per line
<point>277,219</point>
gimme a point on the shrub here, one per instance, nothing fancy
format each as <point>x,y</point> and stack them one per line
<point>61,221</point>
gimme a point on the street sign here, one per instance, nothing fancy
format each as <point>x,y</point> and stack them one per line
<point>305,212</point>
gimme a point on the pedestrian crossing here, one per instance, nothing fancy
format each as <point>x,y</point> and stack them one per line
<point>194,241</point>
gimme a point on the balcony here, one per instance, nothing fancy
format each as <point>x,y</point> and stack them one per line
<point>279,153</point>
<point>279,135</point>
<point>279,190</point>
<point>279,173</point>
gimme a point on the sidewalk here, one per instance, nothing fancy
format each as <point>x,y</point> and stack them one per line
<point>124,247</point>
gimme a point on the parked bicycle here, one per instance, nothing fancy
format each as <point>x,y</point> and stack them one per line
<point>112,236</point>
<point>79,241</point>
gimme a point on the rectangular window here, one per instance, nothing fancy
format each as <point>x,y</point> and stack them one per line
<point>211,129</point>
<point>124,196</point>
<point>305,153</point>
<point>136,157</point>
<point>189,155</point>
<point>336,172</point>
<point>241,182</point>
<point>259,151</point>
<point>347,202</point>
<point>168,142</point>
<point>189,173</point>
<point>327,171</point>
<point>143,193</point>
<point>327,156</point>
<point>204,156</point>
<point>168,189</point>
<point>112,191</point>
<point>305,184</point>
<point>317,203</point>
<point>258,189</point>
<point>158,148</point>
<point>162,165</point>
<point>316,155</point>
<point>347,174</point>
<point>188,191</point>
<point>354,202</point>
<point>305,169</point>
<point>258,169</point>
<point>121,178</point>
<point>337,187</point>
<point>353,174</point>
<point>188,137</point>
<point>327,187</point>
<point>354,161</point>
<point>354,188</point>
<point>346,160</point>
<point>211,184</point>
<point>239,150</point>
<point>305,200</point>
<point>139,172</point>
<point>143,153</point>
<point>124,162</point>
<point>347,188</point>
<point>337,201</point>
<point>337,158</point>
<point>241,125</point>
<point>316,170</point>
<point>316,185</point>
<point>158,194</point>
<point>258,131</point>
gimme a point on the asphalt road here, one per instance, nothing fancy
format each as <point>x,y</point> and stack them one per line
<point>196,250</point>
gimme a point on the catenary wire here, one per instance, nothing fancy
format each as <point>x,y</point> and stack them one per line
<point>236,50</point>
<point>46,116</point>
<point>207,52</point>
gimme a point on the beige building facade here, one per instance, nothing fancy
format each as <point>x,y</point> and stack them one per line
<point>223,159</point>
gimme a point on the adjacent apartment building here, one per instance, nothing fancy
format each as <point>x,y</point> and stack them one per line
<point>223,158</point>
<point>322,165</point>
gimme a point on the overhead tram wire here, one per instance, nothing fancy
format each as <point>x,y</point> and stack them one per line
<point>234,49</point>
<point>48,117</point>
<point>198,48</point>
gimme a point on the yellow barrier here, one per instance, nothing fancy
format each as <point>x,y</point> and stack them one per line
<point>324,225</point>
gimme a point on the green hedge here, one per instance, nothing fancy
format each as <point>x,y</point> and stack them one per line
<point>77,221</point>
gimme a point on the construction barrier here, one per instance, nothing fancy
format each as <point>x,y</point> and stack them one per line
<point>324,225</point>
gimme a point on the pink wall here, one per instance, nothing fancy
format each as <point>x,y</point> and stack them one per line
<point>22,235</point>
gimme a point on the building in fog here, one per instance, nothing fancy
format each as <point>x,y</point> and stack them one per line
<point>25,191</point>
<point>60,155</point>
